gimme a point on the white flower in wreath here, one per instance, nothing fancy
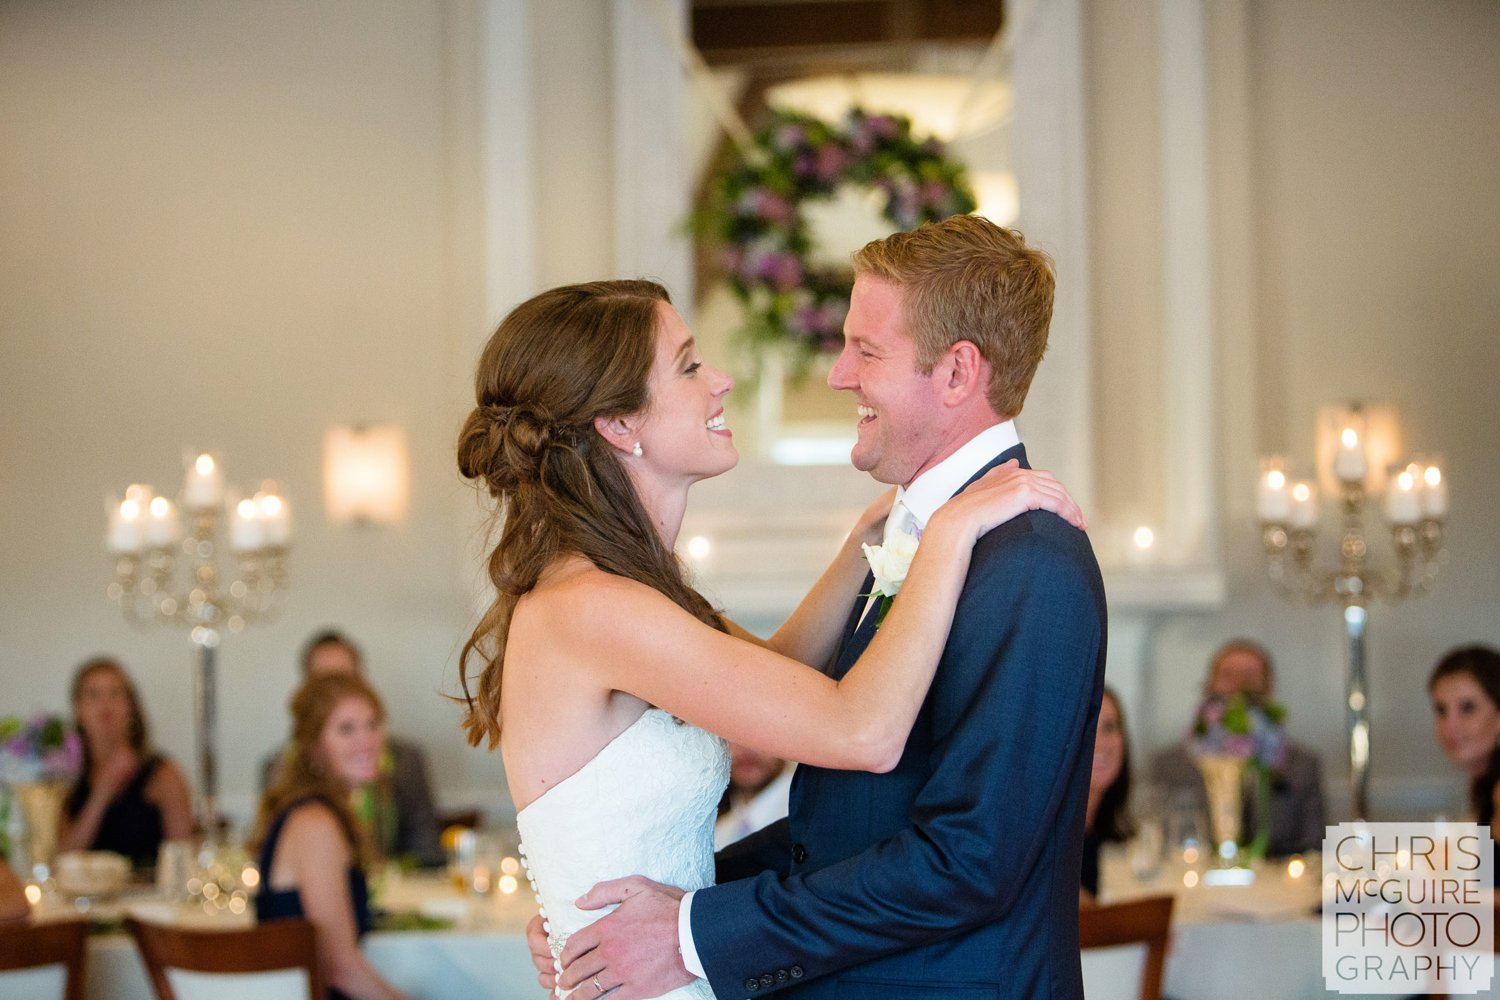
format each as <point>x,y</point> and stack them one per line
<point>890,563</point>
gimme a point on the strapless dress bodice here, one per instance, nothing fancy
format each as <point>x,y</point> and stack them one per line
<point>644,805</point>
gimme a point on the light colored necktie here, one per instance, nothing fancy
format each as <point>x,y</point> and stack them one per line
<point>899,521</point>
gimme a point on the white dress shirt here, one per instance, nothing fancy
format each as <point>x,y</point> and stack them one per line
<point>922,498</point>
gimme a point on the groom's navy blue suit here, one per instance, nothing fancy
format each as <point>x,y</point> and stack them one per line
<point>956,874</point>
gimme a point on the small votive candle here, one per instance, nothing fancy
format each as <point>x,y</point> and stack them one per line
<point>1273,502</point>
<point>1434,493</point>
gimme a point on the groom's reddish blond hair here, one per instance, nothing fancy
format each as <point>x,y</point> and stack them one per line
<point>965,278</point>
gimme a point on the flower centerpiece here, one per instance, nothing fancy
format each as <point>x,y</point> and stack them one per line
<point>39,756</point>
<point>754,216</point>
<point>1236,740</point>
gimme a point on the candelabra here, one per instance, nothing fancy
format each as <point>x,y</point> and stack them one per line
<point>146,537</point>
<point>1416,503</point>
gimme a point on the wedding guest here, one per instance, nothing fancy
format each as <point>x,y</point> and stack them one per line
<point>397,806</point>
<point>1465,691</point>
<point>313,851</point>
<point>127,798</point>
<point>758,795</point>
<point>1243,666</point>
<point>1107,816</point>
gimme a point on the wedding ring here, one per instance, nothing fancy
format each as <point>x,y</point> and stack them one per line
<point>598,987</point>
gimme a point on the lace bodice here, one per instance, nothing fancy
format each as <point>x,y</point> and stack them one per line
<point>644,805</point>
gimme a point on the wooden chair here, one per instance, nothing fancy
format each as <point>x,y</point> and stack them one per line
<point>32,946</point>
<point>1140,921</point>
<point>269,947</point>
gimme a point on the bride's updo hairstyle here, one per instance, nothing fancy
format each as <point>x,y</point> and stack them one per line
<point>558,362</point>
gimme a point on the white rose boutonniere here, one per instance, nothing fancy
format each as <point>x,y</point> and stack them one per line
<point>890,563</point>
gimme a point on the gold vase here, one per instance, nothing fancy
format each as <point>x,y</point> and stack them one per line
<point>1224,780</point>
<point>41,804</point>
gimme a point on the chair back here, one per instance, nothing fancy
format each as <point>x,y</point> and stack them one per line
<point>33,946</point>
<point>270,947</point>
<point>1140,921</point>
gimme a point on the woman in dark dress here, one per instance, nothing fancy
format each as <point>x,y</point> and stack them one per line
<point>1465,692</point>
<point>127,798</point>
<point>313,852</point>
<point>1106,818</point>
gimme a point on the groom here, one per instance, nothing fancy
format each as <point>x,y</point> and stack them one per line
<point>956,874</point>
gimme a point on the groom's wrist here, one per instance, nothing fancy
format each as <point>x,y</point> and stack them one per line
<point>685,946</point>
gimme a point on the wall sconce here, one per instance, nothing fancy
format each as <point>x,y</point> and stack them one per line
<point>365,477</point>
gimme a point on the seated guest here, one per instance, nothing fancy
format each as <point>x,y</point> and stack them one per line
<point>1106,818</point>
<point>127,799</point>
<point>1242,666</point>
<point>313,851</point>
<point>759,788</point>
<point>1465,691</point>
<point>397,804</point>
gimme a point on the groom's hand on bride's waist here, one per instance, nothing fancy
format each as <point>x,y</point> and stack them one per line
<point>630,953</point>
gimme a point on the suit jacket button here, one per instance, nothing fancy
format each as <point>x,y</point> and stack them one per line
<point>768,980</point>
<point>799,854</point>
<point>796,971</point>
<point>751,985</point>
<point>781,976</point>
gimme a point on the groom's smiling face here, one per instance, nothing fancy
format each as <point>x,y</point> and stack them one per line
<point>902,422</point>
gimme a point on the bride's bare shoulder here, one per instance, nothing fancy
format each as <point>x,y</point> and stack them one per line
<point>575,591</point>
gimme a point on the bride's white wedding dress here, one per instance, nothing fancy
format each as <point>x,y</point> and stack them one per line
<point>644,805</point>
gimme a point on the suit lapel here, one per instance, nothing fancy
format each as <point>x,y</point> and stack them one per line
<point>857,633</point>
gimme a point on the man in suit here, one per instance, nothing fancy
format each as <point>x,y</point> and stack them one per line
<point>955,874</point>
<point>1297,815</point>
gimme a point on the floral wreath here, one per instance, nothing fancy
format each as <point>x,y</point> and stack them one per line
<point>754,215</point>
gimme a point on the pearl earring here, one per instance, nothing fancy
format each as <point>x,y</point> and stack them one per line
<point>636,451</point>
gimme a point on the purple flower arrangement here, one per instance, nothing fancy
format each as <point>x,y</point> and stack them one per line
<point>39,748</point>
<point>1242,726</point>
<point>754,215</point>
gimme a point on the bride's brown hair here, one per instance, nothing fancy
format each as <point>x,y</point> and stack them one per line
<point>559,361</point>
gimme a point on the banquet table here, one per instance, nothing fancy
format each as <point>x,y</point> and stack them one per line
<point>1259,942</point>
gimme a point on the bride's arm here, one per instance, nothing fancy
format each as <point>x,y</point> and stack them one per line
<point>633,639</point>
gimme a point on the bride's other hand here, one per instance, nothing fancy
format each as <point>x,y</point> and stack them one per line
<point>541,953</point>
<point>870,528</point>
<point>1007,491</point>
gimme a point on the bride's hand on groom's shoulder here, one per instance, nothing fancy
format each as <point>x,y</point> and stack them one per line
<point>631,953</point>
<point>1007,491</point>
<point>870,528</point>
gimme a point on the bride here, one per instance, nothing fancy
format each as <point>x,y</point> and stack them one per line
<point>603,672</point>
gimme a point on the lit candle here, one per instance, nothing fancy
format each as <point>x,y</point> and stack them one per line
<point>1304,512</point>
<point>204,486</point>
<point>275,516</point>
<point>163,527</point>
<point>1273,504</point>
<point>1349,463</point>
<point>1402,504</point>
<point>244,527</point>
<point>1434,493</point>
<point>125,534</point>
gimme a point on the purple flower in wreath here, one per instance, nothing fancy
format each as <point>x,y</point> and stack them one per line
<point>790,137</point>
<point>830,162</point>
<point>782,271</point>
<point>884,127</point>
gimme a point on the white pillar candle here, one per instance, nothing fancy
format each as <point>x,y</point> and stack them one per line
<point>1304,512</point>
<point>125,534</point>
<point>1273,503</point>
<point>163,527</point>
<point>1349,462</point>
<point>1402,504</point>
<point>1434,493</point>
<point>275,516</point>
<point>204,486</point>
<point>245,527</point>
